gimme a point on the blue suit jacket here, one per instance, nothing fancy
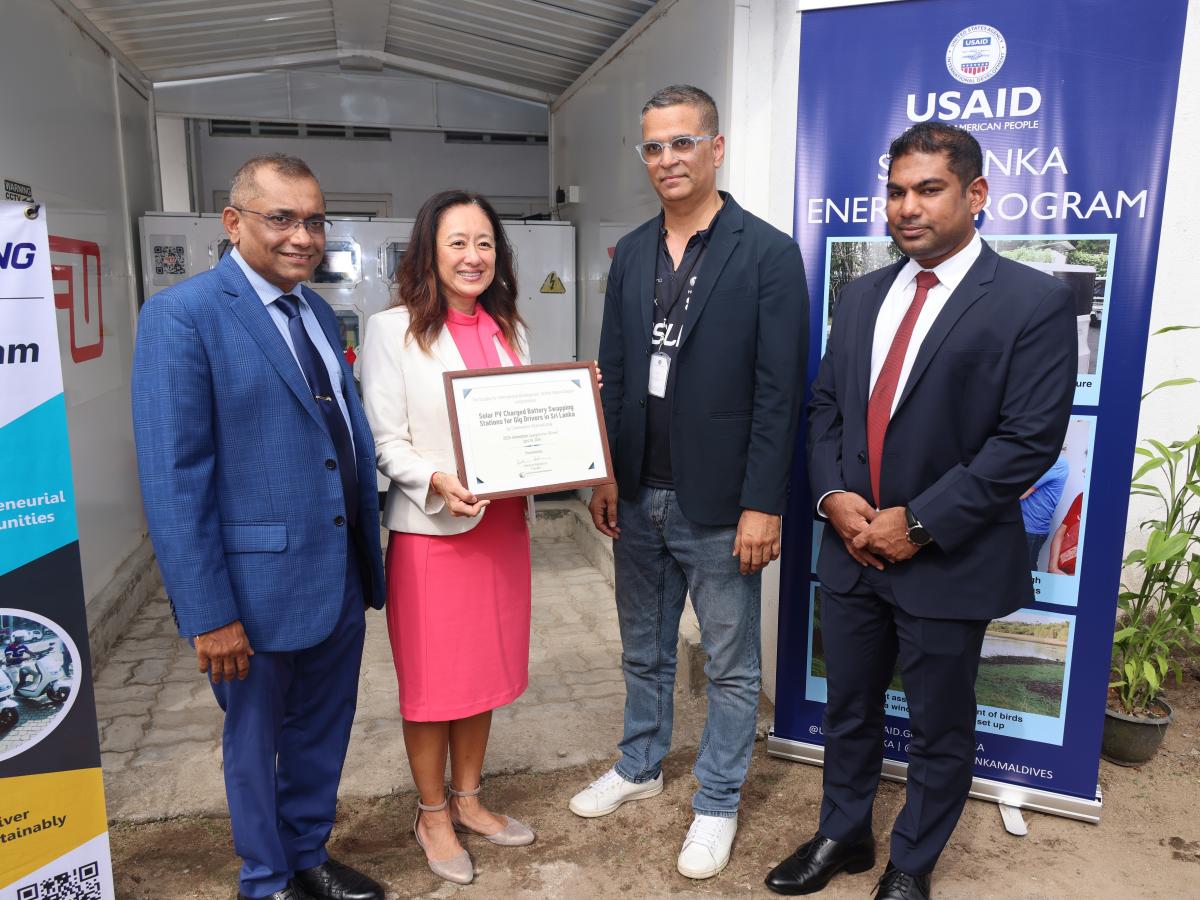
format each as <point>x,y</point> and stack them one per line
<point>739,368</point>
<point>232,454</point>
<point>982,415</point>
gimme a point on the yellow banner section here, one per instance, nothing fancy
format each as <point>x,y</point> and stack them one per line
<point>44,816</point>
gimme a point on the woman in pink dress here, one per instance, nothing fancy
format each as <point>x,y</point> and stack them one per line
<point>458,567</point>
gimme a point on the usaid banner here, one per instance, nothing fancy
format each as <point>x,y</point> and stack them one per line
<point>1072,102</point>
<point>53,827</point>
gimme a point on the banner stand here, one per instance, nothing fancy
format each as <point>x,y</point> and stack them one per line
<point>1015,795</point>
<point>1041,86</point>
<point>53,824</point>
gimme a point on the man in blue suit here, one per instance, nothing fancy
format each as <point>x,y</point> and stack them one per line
<point>945,391</point>
<point>257,469</point>
<point>703,349</point>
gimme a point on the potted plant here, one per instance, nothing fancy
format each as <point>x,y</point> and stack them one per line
<point>1160,611</point>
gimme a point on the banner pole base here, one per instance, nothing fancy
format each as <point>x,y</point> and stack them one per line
<point>1014,822</point>
<point>1013,795</point>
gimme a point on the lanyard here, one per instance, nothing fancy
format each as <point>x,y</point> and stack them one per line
<point>681,283</point>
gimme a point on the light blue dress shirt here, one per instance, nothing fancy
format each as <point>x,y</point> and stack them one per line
<point>268,293</point>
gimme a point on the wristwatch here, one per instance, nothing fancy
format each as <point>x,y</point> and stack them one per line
<point>917,533</point>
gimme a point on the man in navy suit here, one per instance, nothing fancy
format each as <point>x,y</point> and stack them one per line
<point>703,351</point>
<point>945,391</point>
<point>257,469</point>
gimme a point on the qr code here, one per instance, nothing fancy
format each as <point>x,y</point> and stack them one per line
<point>169,259</point>
<point>78,884</point>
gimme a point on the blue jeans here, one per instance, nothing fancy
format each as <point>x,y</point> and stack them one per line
<point>1036,542</point>
<point>659,557</point>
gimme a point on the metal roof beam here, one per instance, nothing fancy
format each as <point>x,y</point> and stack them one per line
<point>241,66</point>
<point>211,27</point>
<point>135,72</point>
<point>361,27</point>
<point>249,42</point>
<point>318,57</point>
<point>108,15</point>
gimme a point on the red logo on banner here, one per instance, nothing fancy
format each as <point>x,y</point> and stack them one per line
<point>85,310</point>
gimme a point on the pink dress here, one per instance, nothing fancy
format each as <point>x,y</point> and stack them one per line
<point>458,605</point>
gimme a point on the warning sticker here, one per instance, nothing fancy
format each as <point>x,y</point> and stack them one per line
<point>553,285</point>
<point>15,190</point>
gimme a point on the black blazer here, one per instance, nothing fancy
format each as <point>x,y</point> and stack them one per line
<point>739,367</point>
<point>982,416</point>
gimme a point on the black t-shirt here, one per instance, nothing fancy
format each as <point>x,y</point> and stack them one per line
<point>673,290</point>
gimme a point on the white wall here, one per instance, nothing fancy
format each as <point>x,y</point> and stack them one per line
<point>411,166</point>
<point>1175,413</point>
<point>765,75</point>
<point>173,164</point>
<point>595,125</point>
<point>80,134</point>
<point>386,99</point>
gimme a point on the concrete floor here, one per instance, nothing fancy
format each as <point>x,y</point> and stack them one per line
<point>160,726</point>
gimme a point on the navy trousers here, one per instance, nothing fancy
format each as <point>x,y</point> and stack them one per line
<point>865,633</point>
<point>287,726</point>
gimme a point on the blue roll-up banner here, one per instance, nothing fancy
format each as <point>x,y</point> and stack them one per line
<point>53,827</point>
<point>1073,103</point>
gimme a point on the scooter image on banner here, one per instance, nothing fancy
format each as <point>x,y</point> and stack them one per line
<point>41,676</point>
<point>8,706</point>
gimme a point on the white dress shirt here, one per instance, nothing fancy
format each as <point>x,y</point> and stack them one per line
<point>950,273</point>
<point>269,293</point>
<point>899,297</point>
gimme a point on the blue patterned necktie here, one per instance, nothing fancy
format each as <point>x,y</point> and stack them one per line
<point>317,376</point>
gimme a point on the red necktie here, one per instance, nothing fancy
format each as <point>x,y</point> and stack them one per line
<point>879,407</point>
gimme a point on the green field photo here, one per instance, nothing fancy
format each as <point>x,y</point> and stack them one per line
<point>1022,668</point>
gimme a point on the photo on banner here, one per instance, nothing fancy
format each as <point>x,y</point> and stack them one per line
<point>1023,680</point>
<point>1080,261</point>
<point>1054,511</point>
<point>37,679</point>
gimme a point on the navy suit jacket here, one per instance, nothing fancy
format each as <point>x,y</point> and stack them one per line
<point>982,415</point>
<point>241,503</point>
<point>739,367</point>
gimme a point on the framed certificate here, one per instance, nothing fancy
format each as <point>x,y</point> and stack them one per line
<point>528,429</point>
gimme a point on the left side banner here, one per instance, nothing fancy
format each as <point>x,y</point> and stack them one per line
<point>53,826</point>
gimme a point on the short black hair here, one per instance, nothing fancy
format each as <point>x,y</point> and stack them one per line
<point>687,95</point>
<point>244,188</point>
<point>965,155</point>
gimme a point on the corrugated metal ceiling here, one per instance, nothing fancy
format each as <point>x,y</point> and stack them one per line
<point>531,48</point>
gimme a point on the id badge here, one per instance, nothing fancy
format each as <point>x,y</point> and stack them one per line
<point>660,365</point>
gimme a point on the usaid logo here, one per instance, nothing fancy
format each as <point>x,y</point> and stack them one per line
<point>976,54</point>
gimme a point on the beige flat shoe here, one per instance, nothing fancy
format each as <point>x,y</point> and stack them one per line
<point>513,834</point>
<point>458,869</point>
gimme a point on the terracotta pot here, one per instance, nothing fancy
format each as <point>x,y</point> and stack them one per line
<point>1132,740</point>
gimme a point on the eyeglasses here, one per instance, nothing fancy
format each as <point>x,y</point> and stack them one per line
<point>279,222</point>
<point>682,146</point>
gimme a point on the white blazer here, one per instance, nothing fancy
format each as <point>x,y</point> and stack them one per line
<point>405,400</point>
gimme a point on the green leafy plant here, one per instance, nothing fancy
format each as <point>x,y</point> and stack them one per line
<point>1160,612</point>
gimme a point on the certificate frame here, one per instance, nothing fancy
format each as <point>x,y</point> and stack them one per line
<point>465,428</point>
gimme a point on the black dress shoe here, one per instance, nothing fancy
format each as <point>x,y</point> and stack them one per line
<point>815,862</point>
<point>291,892</point>
<point>332,880</point>
<point>897,885</point>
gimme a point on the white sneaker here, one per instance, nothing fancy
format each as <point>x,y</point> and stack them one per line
<point>609,791</point>
<point>706,848</point>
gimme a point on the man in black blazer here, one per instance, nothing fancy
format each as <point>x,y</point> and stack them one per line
<point>703,350</point>
<point>945,391</point>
